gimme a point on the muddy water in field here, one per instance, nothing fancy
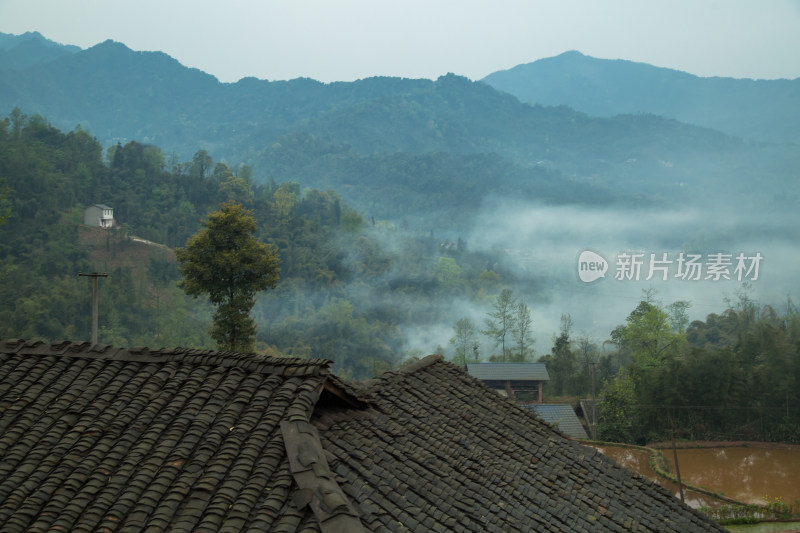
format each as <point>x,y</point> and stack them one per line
<point>742,473</point>
<point>639,461</point>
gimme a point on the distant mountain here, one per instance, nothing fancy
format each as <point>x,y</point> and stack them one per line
<point>9,41</point>
<point>29,49</point>
<point>765,110</point>
<point>392,147</point>
<point>115,93</point>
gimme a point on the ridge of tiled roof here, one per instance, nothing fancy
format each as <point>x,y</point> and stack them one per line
<point>442,452</point>
<point>144,354</point>
<point>367,387</point>
<point>317,487</point>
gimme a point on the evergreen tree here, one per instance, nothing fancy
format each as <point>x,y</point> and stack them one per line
<point>561,363</point>
<point>226,262</point>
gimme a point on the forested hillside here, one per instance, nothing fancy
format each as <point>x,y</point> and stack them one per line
<point>391,146</point>
<point>343,294</point>
<point>730,376</point>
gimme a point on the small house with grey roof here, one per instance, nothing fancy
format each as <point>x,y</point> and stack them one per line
<point>99,216</point>
<point>522,382</point>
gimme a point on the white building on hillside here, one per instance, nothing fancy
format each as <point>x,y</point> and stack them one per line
<point>99,215</point>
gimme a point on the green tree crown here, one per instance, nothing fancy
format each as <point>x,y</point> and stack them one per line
<point>225,261</point>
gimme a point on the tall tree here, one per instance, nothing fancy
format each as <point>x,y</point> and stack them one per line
<point>500,321</point>
<point>647,335</point>
<point>522,333</point>
<point>226,262</point>
<point>5,201</point>
<point>447,272</point>
<point>618,409</point>
<point>464,340</point>
<point>679,315</point>
<point>201,165</point>
<point>5,211</point>
<point>561,363</point>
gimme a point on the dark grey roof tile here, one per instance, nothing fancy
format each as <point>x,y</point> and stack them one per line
<point>94,438</point>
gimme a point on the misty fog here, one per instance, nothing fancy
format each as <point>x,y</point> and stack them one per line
<point>543,243</point>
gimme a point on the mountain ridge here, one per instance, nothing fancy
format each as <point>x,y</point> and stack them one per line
<point>381,134</point>
<point>9,41</point>
<point>762,110</point>
<point>29,49</point>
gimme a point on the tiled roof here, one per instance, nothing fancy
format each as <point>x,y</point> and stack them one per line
<point>562,416</point>
<point>441,452</point>
<point>94,438</point>
<point>103,439</point>
<point>508,371</point>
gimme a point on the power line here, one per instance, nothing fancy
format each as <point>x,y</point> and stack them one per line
<point>713,407</point>
<point>586,290</point>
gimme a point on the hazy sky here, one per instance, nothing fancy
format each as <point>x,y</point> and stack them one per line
<point>344,40</point>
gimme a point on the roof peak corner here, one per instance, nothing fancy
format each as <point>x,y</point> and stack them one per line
<point>414,366</point>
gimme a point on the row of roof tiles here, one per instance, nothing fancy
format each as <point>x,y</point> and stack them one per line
<point>95,438</point>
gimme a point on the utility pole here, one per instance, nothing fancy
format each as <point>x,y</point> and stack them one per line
<point>594,404</point>
<point>675,456</point>
<point>94,276</point>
